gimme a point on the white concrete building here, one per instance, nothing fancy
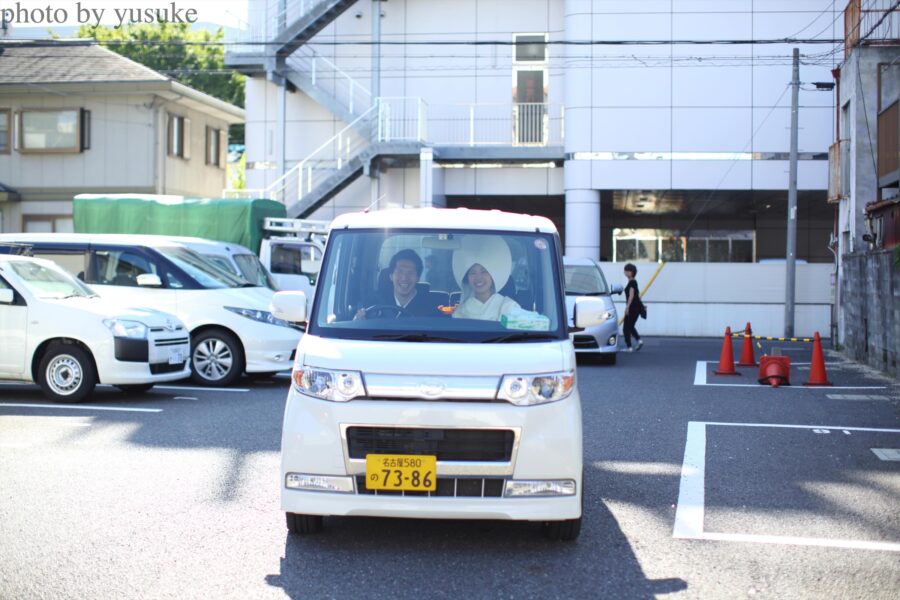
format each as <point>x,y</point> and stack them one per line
<point>646,129</point>
<point>77,118</point>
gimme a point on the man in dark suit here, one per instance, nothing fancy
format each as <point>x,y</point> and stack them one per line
<point>403,292</point>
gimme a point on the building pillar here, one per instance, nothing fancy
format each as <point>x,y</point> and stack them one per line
<point>582,200</point>
<point>426,177</point>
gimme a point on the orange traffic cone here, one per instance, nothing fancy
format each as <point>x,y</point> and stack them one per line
<point>726,358</point>
<point>747,358</point>
<point>774,370</point>
<point>817,374</point>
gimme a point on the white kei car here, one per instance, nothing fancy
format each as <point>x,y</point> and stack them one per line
<point>55,330</point>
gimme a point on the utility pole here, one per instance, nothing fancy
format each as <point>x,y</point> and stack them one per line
<point>791,262</point>
<point>376,49</point>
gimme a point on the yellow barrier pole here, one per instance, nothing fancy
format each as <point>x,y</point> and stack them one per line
<point>646,286</point>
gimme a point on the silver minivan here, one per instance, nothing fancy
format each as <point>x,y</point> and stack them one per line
<point>584,277</point>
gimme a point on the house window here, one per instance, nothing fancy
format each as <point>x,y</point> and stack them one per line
<point>47,224</point>
<point>530,47</point>
<point>4,131</point>
<point>215,147</point>
<point>45,131</point>
<point>178,135</point>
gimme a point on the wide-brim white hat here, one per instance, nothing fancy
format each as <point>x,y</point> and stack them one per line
<point>489,251</point>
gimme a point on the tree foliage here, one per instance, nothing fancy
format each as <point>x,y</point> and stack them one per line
<point>161,47</point>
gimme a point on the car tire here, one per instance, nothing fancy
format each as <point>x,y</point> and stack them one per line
<point>217,359</point>
<point>565,531</point>
<point>304,524</point>
<point>136,388</point>
<point>67,373</point>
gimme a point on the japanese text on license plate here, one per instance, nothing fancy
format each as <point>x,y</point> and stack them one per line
<point>396,472</point>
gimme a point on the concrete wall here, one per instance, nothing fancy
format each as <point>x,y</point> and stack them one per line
<point>701,299</point>
<point>870,302</point>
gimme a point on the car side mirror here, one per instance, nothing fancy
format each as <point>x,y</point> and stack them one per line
<point>616,288</point>
<point>589,312</point>
<point>149,280</point>
<point>289,306</point>
<point>6,296</point>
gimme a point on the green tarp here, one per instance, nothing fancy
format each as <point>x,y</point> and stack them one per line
<point>235,220</point>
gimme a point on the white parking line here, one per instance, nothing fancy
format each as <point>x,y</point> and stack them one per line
<point>700,373</point>
<point>200,389</point>
<point>79,407</point>
<point>690,509</point>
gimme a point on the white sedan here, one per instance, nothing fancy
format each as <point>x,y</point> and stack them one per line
<point>55,330</point>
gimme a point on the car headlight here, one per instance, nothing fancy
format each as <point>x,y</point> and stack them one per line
<point>528,390</point>
<point>337,386</point>
<point>126,329</point>
<point>263,316</point>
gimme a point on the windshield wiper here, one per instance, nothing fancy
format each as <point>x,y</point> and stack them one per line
<point>413,337</point>
<point>520,335</point>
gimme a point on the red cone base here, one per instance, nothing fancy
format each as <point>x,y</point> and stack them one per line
<point>726,357</point>
<point>774,370</point>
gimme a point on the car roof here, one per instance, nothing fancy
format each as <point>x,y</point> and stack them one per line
<point>443,218</point>
<point>32,259</point>
<point>105,238</point>
<point>232,248</point>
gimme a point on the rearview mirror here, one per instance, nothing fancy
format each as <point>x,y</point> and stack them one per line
<point>149,280</point>
<point>289,306</point>
<point>589,312</point>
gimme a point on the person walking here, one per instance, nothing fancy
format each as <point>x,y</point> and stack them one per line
<point>633,307</point>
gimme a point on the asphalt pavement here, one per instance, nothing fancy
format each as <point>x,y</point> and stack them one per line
<point>696,486</point>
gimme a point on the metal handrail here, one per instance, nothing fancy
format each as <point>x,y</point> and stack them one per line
<point>321,72</point>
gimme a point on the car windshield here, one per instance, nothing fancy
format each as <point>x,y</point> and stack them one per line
<point>253,270</point>
<point>441,286</point>
<point>45,282</point>
<point>201,269</point>
<point>585,280</point>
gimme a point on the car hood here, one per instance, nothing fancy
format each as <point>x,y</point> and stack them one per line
<point>429,358</point>
<point>107,308</point>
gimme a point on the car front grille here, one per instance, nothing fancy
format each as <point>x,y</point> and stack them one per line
<point>477,445</point>
<point>171,342</point>
<point>585,341</point>
<point>447,487</point>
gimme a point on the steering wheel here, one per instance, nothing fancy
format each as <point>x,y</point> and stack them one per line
<point>381,309</point>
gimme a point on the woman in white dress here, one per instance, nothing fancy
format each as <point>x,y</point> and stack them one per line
<point>483,265</point>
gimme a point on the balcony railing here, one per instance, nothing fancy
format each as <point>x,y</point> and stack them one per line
<point>522,124</point>
<point>870,22</point>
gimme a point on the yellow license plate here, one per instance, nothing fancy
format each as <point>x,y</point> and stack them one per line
<point>401,472</point>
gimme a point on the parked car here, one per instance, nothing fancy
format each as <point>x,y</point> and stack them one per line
<point>432,409</point>
<point>232,330</point>
<point>55,330</point>
<point>584,277</point>
<point>234,258</point>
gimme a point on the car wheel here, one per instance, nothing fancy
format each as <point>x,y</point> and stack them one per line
<point>217,358</point>
<point>136,388</point>
<point>67,373</point>
<point>565,531</point>
<point>302,524</point>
